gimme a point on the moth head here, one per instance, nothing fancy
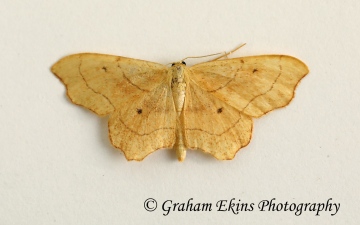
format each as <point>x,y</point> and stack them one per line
<point>180,63</point>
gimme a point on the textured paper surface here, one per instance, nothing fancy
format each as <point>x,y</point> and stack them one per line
<point>58,166</point>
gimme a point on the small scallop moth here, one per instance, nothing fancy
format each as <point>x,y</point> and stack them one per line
<point>208,106</point>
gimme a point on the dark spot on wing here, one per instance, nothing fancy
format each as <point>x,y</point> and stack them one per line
<point>139,111</point>
<point>220,110</point>
<point>255,70</point>
<point>104,68</point>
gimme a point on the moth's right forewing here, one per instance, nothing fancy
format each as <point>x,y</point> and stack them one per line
<point>254,85</point>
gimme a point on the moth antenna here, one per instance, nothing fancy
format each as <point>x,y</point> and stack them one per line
<point>195,57</point>
<point>228,53</point>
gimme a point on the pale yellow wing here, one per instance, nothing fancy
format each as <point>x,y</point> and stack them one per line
<point>135,93</point>
<point>212,125</point>
<point>223,95</point>
<point>253,85</point>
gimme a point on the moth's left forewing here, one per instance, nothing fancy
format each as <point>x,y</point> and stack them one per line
<point>134,92</point>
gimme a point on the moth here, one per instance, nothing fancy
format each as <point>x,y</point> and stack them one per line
<point>208,106</point>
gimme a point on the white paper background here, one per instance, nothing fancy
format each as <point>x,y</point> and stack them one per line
<point>57,165</point>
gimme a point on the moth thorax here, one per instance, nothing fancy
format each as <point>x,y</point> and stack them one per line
<point>177,74</point>
<point>178,87</point>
